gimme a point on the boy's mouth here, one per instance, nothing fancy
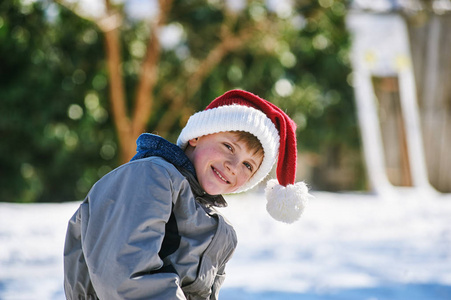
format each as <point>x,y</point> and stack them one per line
<point>219,175</point>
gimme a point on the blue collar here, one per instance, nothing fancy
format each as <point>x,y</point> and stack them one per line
<point>153,145</point>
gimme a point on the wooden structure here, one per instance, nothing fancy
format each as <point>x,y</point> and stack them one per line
<point>387,103</point>
<point>430,39</point>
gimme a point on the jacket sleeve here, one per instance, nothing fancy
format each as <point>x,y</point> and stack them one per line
<point>123,227</point>
<point>219,280</point>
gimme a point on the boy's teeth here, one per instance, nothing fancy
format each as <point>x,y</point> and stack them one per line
<point>220,176</point>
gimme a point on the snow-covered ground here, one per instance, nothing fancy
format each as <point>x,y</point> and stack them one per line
<point>346,246</point>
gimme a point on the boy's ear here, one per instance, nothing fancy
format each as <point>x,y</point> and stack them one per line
<point>193,142</point>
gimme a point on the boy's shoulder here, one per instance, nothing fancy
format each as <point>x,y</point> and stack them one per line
<point>153,165</point>
<point>153,162</point>
<point>157,160</point>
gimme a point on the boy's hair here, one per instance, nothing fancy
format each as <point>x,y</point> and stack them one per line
<point>251,141</point>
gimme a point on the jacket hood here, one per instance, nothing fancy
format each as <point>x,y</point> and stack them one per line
<point>153,145</point>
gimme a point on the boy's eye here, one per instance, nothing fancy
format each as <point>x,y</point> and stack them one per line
<point>228,147</point>
<point>249,166</point>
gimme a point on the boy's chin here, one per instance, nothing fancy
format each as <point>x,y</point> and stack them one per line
<point>217,191</point>
<point>213,192</point>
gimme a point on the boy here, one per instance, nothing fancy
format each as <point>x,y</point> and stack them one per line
<point>148,229</point>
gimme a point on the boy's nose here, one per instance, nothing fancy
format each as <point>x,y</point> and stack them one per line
<point>231,165</point>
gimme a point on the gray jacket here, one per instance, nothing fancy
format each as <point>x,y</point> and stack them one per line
<point>146,231</point>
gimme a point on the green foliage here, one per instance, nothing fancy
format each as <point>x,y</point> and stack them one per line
<point>56,135</point>
<point>55,122</point>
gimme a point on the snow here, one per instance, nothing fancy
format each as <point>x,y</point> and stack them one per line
<point>346,246</point>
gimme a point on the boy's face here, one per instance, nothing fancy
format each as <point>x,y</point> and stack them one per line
<point>222,162</point>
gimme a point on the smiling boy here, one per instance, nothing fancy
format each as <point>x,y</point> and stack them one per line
<point>223,161</point>
<point>149,229</point>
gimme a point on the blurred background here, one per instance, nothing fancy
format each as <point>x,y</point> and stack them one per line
<point>80,80</point>
<point>367,82</point>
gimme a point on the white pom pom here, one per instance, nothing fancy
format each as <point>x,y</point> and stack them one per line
<point>286,203</point>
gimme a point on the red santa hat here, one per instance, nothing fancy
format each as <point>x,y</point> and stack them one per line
<point>239,110</point>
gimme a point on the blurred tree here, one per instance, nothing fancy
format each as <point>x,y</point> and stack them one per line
<point>298,52</point>
<point>215,28</point>
<point>156,67</point>
<point>55,133</point>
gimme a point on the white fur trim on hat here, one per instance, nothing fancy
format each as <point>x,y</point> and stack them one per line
<point>286,203</point>
<point>236,118</point>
